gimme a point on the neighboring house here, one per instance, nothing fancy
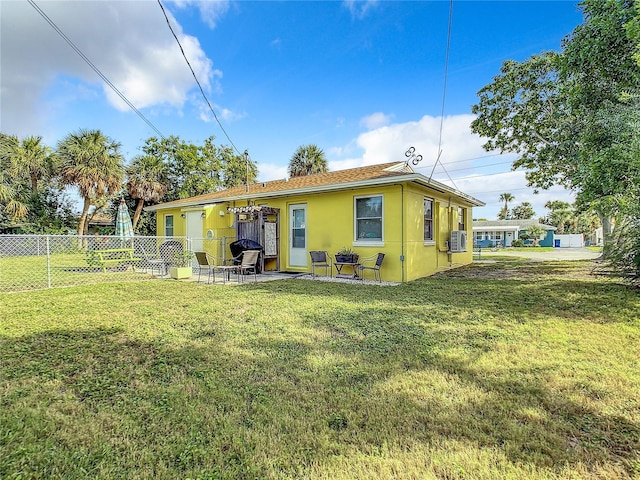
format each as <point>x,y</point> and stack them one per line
<point>386,208</point>
<point>491,233</point>
<point>596,238</point>
<point>102,223</point>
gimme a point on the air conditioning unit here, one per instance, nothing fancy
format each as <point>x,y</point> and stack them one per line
<point>458,242</point>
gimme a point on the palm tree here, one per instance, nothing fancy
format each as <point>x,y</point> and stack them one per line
<point>8,201</point>
<point>147,181</point>
<point>506,198</point>
<point>560,214</point>
<point>93,163</point>
<point>28,158</point>
<point>307,160</point>
<point>536,231</point>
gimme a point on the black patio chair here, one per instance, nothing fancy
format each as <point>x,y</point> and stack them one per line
<point>322,259</point>
<point>372,263</point>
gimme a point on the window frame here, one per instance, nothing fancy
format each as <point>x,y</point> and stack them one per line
<point>166,217</point>
<point>462,214</point>
<point>428,241</point>
<point>368,241</point>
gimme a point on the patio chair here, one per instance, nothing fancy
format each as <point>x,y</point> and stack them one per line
<point>249,263</point>
<point>205,263</point>
<point>322,259</point>
<point>152,262</point>
<point>373,263</point>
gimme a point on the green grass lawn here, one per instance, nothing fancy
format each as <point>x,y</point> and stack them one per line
<point>507,370</point>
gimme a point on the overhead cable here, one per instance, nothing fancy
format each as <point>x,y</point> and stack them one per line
<point>94,68</point>
<point>196,79</point>
<point>444,95</point>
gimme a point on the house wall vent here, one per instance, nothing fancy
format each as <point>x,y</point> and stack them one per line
<point>458,242</point>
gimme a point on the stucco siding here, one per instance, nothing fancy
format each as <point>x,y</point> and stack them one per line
<point>330,225</point>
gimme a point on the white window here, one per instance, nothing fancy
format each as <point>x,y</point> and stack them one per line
<point>168,225</point>
<point>368,214</point>
<point>428,219</point>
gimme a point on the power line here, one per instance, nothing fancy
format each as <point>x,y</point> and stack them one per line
<point>94,68</point>
<point>465,160</point>
<point>480,175</point>
<point>196,78</point>
<point>444,95</point>
<point>479,166</point>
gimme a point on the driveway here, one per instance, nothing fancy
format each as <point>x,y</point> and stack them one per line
<point>556,254</point>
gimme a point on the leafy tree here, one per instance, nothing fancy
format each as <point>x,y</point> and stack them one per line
<point>236,170</point>
<point>194,170</point>
<point>147,180</point>
<point>524,211</point>
<point>50,211</point>
<point>307,160</point>
<point>623,249</point>
<point>91,162</point>
<point>572,116</point>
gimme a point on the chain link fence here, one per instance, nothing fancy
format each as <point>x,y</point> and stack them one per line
<point>34,262</point>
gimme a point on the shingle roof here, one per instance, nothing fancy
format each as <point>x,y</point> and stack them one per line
<point>334,179</point>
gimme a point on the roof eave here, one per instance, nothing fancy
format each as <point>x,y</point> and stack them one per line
<point>414,177</point>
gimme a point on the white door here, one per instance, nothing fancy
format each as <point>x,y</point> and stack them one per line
<point>298,235</point>
<point>194,230</point>
<point>508,239</point>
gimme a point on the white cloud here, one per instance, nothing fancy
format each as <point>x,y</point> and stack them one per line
<point>376,120</point>
<point>389,143</point>
<point>271,171</point>
<point>359,8</point>
<point>128,42</point>
<point>461,151</point>
<point>211,11</point>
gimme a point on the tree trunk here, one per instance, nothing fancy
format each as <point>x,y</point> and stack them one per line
<point>607,229</point>
<point>83,217</point>
<point>137,213</point>
<point>34,182</point>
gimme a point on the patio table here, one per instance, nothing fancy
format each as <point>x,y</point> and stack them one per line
<point>226,271</point>
<point>352,265</point>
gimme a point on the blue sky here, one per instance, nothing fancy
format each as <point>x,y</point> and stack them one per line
<point>362,80</point>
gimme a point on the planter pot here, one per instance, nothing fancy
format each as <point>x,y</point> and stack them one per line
<point>352,258</point>
<point>180,273</point>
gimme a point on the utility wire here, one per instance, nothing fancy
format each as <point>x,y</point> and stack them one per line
<point>94,68</point>
<point>478,166</point>
<point>196,79</point>
<point>465,160</point>
<point>444,95</point>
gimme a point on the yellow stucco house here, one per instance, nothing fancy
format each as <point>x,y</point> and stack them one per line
<point>422,226</point>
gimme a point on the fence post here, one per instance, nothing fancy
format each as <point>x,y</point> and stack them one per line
<point>48,264</point>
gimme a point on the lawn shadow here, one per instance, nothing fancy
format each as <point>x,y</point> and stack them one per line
<point>243,397</point>
<point>407,384</point>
